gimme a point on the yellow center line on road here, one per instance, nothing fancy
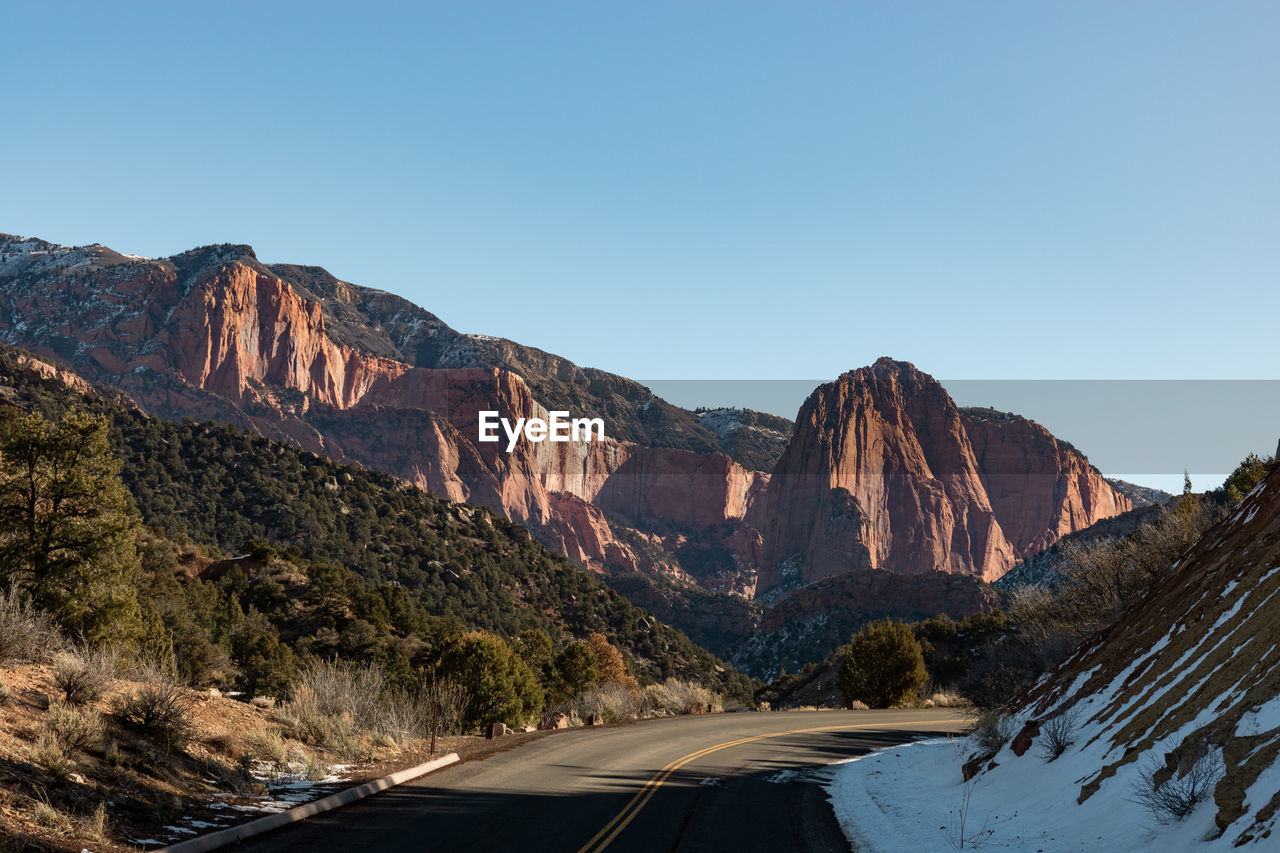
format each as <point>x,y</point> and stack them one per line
<point>605,836</point>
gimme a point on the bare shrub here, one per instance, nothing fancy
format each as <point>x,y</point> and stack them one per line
<point>74,729</point>
<point>682,697</point>
<point>1171,795</point>
<point>160,711</point>
<point>612,701</point>
<point>1058,733</point>
<point>340,688</point>
<point>83,675</point>
<point>962,831</point>
<point>336,701</point>
<point>27,635</point>
<point>6,695</point>
<point>266,703</point>
<point>991,732</point>
<point>305,721</point>
<point>859,705</point>
<point>51,758</point>
<point>446,700</point>
<point>402,715</point>
<point>1099,580</point>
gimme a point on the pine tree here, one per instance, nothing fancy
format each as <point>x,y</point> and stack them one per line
<point>499,686</point>
<point>1188,503</point>
<point>67,525</point>
<point>883,666</point>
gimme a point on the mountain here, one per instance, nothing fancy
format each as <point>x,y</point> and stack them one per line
<point>360,375</point>
<point>222,488</point>
<point>881,470</point>
<point>1140,496</point>
<point>1180,693</point>
<point>1042,569</point>
<point>884,471</point>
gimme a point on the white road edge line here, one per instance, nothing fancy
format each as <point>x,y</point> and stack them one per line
<point>222,837</point>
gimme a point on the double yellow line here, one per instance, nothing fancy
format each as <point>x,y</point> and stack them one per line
<point>611,830</point>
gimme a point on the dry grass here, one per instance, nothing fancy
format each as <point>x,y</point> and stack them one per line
<point>150,785</point>
<point>611,701</point>
<point>946,699</point>
<point>45,815</point>
<point>682,697</point>
<point>991,732</point>
<point>267,746</point>
<point>50,757</point>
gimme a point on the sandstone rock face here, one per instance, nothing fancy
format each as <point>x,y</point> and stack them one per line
<point>1040,488</point>
<point>215,334</point>
<point>880,475</point>
<point>885,472</point>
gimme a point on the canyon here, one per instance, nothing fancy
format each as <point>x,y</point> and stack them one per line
<point>881,470</point>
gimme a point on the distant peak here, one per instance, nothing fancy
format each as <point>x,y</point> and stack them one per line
<point>216,252</point>
<point>884,362</point>
<point>884,368</point>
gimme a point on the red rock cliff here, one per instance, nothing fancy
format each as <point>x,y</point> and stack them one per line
<point>880,474</point>
<point>884,471</point>
<point>234,342</point>
<point>1040,488</point>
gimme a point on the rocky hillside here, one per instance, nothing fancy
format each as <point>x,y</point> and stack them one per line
<point>886,472</point>
<point>353,373</point>
<point>805,626</point>
<point>1140,496</point>
<point>1182,693</point>
<point>221,488</point>
<point>1042,569</point>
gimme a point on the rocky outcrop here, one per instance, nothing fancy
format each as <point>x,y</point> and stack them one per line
<point>885,472</point>
<point>1040,488</point>
<point>880,474</point>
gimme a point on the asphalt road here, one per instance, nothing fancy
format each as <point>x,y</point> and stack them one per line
<point>732,782</point>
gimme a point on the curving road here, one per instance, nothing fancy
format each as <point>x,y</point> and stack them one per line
<point>729,782</point>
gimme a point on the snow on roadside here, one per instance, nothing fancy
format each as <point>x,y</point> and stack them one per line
<point>912,797</point>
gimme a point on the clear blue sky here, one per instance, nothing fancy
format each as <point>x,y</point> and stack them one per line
<point>696,189</point>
